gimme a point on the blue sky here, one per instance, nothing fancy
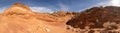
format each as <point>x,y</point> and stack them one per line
<point>55,5</point>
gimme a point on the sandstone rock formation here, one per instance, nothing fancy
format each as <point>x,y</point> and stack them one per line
<point>19,18</point>
<point>19,9</point>
<point>97,17</point>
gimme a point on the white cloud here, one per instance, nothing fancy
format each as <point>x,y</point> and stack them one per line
<point>105,3</point>
<point>42,9</point>
<point>63,7</point>
<point>109,3</point>
<point>115,2</point>
<point>2,9</point>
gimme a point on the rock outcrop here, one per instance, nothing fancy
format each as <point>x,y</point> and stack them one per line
<point>19,18</point>
<point>63,13</point>
<point>96,17</point>
<point>18,8</point>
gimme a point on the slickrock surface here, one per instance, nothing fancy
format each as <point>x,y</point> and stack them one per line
<point>19,18</point>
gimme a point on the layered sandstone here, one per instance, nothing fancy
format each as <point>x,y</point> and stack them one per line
<point>19,18</point>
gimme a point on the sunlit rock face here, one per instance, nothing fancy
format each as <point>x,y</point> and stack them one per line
<point>96,17</point>
<point>19,18</point>
<point>18,8</point>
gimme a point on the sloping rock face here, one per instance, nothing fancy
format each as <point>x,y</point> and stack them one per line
<point>18,8</point>
<point>19,18</point>
<point>96,17</point>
